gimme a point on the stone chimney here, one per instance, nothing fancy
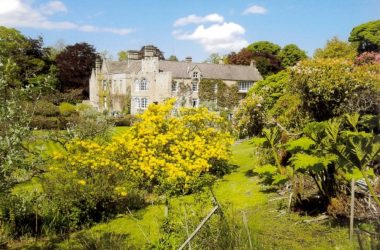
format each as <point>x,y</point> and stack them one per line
<point>98,64</point>
<point>188,59</point>
<point>253,63</point>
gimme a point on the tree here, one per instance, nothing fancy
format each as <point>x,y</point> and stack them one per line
<point>18,162</point>
<point>264,47</point>
<point>28,54</point>
<point>123,55</point>
<point>173,58</point>
<point>332,87</point>
<point>291,54</point>
<point>74,65</point>
<point>366,37</point>
<point>214,58</point>
<point>57,48</point>
<point>336,48</point>
<point>267,64</point>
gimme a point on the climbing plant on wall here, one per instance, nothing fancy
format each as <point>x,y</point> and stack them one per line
<point>226,96</point>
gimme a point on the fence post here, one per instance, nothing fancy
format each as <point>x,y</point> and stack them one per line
<point>352,208</point>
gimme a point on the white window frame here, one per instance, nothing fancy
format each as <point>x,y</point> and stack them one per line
<point>245,86</point>
<point>143,84</point>
<point>137,102</point>
<point>144,102</point>
<point>194,86</point>
<point>195,74</point>
<point>141,102</point>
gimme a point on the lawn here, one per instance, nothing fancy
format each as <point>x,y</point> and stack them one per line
<point>271,226</point>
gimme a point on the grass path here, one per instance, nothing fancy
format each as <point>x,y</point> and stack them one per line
<point>270,228</point>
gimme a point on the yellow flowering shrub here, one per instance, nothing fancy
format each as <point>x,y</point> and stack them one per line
<point>167,152</point>
<point>86,184</point>
<point>173,151</point>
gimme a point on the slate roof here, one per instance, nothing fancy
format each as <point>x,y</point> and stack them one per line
<point>181,69</point>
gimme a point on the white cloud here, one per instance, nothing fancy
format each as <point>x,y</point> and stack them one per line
<point>255,9</point>
<point>18,13</point>
<point>194,19</point>
<point>53,7</point>
<point>217,37</point>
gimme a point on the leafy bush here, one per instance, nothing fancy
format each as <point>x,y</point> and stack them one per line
<point>127,120</point>
<point>89,124</point>
<point>332,87</point>
<point>46,108</point>
<point>43,122</point>
<point>249,118</point>
<point>67,109</point>
<point>87,185</point>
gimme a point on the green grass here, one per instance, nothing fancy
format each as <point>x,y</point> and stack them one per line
<point>269,227</point>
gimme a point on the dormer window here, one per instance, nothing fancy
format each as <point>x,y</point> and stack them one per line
<point>195,74</point>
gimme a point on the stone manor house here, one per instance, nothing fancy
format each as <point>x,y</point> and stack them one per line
<point>145,78</point>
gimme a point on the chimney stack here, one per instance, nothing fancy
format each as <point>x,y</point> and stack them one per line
<point>98,64</point>
<point>253,63</point>
<point>188,59</point>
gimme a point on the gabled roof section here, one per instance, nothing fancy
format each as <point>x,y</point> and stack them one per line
<point>212,71</point>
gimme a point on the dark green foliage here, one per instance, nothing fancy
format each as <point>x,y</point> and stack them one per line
<point>32,61</point>
<point>126,120</point>
<point>290,55</point>
<point>366,37</point>
<point>173,58</point>
<point>74,66</point>
<point>265,47</point>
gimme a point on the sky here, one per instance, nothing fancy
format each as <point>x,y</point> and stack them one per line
<point>194,28</point>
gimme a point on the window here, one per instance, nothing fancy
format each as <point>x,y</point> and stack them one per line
<point>194,86</point>
<point>244,86</point>
<point>195,74</point>
<point>215,87</point>
<point>141,103</point>
<point>174,86</point>
<point>105,102</point>
<point>230,117</point>
<point>137,102</point>
<point>144,103</point>
<point>195,103</point>
<point>143,84</point>
<point>104,85</point>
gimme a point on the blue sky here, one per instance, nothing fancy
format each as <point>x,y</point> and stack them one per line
<point>183,27</point>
